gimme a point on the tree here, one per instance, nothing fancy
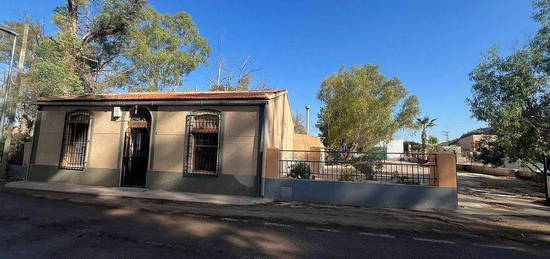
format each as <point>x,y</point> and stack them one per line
<point>513,97</point>
<point>424,124</point>
<point>541,41</point>
<point>29,90</point>
<point>362,107</point>
<point>491,153</point>
<point>434,145</point>
<point>432,140</point>
<point>299,127</point>
<point>162,48</point>
<point>237,78</point>
<point>86,50</point>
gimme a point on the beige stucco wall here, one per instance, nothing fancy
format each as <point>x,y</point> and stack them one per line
<point>239,147</point>
<point>240,128</point>
<point>102,152</point>
<point>280,127</point>
<point>306,142</point>
<point>466,143</point>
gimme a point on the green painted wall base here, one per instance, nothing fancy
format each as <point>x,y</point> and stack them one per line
<point>222,184</point>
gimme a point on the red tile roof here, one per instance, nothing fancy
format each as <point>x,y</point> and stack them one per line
<point>144,96</point>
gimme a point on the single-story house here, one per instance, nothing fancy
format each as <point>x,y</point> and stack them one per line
<point>206,142</point>
<point>472,140</point>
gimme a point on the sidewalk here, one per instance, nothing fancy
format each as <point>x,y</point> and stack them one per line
<point>139,193</point>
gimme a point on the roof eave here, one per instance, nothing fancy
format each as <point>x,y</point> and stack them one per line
<point>209,102</point>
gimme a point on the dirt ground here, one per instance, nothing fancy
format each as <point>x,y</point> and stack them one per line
<point>506,202</point>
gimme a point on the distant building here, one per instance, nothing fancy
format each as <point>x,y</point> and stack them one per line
<point>409,146</point>
<point>394,148</point>
<point>472,141</point>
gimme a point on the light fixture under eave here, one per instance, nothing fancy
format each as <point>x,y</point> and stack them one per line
<point>116,112</point>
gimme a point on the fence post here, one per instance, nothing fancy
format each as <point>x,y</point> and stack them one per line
<point>272,161</point>
<point>446,170</point>
<point>432,160</point>
<point>318,157</point>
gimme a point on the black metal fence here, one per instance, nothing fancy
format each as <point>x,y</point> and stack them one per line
<point>402,168</point>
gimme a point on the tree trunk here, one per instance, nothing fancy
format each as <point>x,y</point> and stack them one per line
<point>424,139</point>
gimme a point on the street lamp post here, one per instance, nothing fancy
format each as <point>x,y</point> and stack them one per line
<point>7,85</point>
<point>307,119</point>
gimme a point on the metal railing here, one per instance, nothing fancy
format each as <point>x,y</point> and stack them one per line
<point>401,168</point>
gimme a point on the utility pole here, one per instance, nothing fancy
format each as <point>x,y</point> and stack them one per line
<point>6,89</point>
<point>14,96</point>
<point>446,134</point>
<point>307,119</point>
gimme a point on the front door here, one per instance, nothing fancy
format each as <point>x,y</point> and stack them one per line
<point>136,155</point>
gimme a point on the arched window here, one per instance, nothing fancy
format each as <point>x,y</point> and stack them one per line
<point>75,141</point>
<point>203,142</point>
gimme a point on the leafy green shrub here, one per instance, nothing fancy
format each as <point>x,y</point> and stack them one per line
<point>300,171</point>
<point>369,165</point>
<point>403,179</point>
<point>349,176</point>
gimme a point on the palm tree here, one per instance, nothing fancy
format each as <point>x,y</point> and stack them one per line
<point>424,124</point>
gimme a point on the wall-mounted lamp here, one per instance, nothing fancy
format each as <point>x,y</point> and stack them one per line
<point>117,113</point>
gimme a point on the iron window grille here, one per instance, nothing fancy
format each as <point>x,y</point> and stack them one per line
<point>75,141</point>
<point>203,143</point>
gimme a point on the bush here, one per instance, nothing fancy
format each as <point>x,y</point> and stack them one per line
<point>369,165</point>
<point>403,179</point>
<point>349,176</point>
<point>300,171</point>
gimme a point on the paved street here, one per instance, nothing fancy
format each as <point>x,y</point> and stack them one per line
<point>33,227</point>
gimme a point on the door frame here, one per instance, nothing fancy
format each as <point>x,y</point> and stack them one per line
<point>125,118</point>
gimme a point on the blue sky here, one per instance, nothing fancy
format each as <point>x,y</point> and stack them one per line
<point>430,45</point>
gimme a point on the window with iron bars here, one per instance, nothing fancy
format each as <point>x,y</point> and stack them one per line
<point>75,141</point>
<point>203,135</point>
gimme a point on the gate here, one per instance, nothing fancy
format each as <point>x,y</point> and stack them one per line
<point>136,151</point>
